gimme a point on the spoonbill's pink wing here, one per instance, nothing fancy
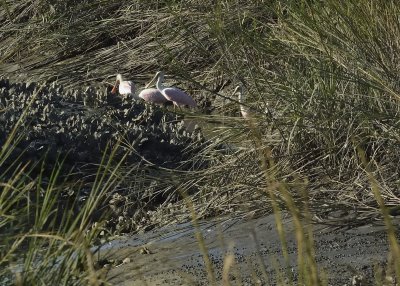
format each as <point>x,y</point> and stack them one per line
<point>179,97</point>
<point>126,87</point>
<point>152,95</point>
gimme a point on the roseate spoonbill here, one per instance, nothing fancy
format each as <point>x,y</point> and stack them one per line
<point>152,95</point>
<point>177,96</point>
<point>124,87</point>
<point>244,110</point>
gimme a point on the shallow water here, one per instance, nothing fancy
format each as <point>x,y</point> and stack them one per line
<point>168,234</point>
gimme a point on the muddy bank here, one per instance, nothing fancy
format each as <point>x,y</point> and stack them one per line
<point>171,256</point>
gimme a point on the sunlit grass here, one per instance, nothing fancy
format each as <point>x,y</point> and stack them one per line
<point>43,241</point>
<point>326,72</point>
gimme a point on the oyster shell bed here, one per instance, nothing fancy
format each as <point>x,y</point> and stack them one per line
<point>76,127</point>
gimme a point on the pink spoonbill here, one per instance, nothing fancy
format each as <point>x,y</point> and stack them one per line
<point>152,95</point>
<point>244,110</point>
<point>124,87</point>
<point>177,96</point>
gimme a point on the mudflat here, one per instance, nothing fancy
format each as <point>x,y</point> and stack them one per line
<point>172,256</point>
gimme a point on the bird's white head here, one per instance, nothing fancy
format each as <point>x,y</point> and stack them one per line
<point>117,82</point>
<point>244,110</point>
<point>160,78</point>
<point>160,75</point>
<point>119,78</point>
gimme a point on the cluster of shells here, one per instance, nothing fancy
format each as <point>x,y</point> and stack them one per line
<point>76,127</point>
<point>80,124</point>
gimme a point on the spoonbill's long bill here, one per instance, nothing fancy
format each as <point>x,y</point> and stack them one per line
<point>124,86</point>
<point>177,96</point>
<point>244,110</point>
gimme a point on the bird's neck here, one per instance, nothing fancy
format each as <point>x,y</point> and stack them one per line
<point>159,84</point>
<point>241,97</point>
<point>243,109</point>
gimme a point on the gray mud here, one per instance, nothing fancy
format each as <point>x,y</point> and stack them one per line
<point>171,256</point>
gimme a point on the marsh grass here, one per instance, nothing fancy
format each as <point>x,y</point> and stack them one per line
<point>41,240</point>
<point>50,249</point>
<point>322,79</point>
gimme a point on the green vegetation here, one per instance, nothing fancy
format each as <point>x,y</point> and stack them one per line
<point>320,76</point>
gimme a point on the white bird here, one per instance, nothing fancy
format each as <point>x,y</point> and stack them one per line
<point>177,96</point>
<point>124,87</point>
<point>244,110</point>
